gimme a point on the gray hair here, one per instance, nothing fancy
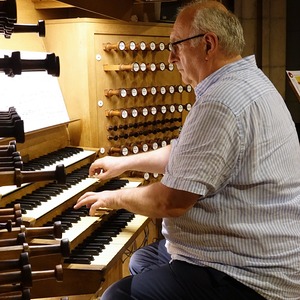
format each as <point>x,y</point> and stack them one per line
<point>221,22</point>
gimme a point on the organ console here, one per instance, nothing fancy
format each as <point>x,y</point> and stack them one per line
<point>37,216</point>
<point>47,208</point>
<point>126,101</point>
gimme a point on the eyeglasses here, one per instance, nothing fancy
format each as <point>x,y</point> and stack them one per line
<point>172,46</point>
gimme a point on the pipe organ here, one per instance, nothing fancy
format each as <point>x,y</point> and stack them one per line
<point>123,97</point>
<point>121,86</point>
<point>64,246</point>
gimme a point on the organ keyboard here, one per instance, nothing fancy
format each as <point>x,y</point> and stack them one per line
<point>44,203</point>
<point>96,243</point>
<point>118,243</point>
<point>52,196</point>
<point>95,257</point>
<point>77,224</point>
<point>84,223</point>
<point>67,156</point>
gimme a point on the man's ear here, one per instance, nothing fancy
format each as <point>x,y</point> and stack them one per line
<point>208,47</point>
<point>211,41</point>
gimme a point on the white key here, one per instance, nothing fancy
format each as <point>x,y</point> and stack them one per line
<point>79,227</point>
<point>57,200</point>
<point>118,242</point>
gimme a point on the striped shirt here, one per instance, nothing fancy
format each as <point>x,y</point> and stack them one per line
<point>239,151</point>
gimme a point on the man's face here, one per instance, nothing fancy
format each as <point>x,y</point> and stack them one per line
<point>188,58</point>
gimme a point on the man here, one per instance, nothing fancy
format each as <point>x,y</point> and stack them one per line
<point>230,195</point>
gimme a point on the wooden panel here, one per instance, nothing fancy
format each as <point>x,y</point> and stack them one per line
<point>116,9</point>
<point>42,141</point>
<point>47,4</point>
<point>84,81</point>
<point>75,275</point>
<point>26,14</point>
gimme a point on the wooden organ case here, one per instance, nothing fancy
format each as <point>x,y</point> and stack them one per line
<point>45,202</point>
<point>126,98</point>
<point>117,80</point>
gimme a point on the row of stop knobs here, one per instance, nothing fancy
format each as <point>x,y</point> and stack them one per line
<point>136,46</point>
<point>144,91</point>
<point>135,148</point>
<point>136,67</point>
<point>124,113</point>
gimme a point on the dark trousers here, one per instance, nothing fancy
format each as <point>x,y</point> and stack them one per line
<point>176,281</point>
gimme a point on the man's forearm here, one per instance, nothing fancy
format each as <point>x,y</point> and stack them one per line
<point>154,200</point>
<point>153,161</point>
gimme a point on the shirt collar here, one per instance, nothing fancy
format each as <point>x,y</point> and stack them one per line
<point>244,63</point>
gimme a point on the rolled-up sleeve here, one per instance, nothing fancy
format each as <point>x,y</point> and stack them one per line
<point>204,156</point>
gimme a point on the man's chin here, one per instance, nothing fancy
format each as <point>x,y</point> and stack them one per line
<point>184,79</point>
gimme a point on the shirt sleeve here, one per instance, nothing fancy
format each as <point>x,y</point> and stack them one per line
<point>204,157</point>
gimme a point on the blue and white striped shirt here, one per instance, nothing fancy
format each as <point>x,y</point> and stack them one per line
<point>239,150</point>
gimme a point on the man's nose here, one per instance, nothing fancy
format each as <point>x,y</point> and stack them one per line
<point>172,58</point>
